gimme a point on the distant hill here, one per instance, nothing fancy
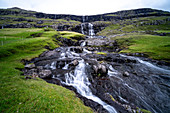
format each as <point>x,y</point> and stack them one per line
<point>144,12</point>
<point>20,18</point>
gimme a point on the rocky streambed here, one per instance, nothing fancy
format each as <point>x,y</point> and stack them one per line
<point>105,81</point>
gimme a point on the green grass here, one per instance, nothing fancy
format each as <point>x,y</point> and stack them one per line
<point>163,31</point>
<point>101,53</point>
<point>71,35</point>
<point>135,39</point>
<point>156,47</point>
<point>11,19</point>
<point>9,35</point>
<point>19,32</point>
<point>20,95</point>
<point>111,15</point>
<point>130,25</point>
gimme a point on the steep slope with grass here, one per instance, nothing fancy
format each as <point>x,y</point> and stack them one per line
<point>18,94</point>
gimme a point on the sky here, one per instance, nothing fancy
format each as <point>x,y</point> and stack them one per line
<point>84,7</point>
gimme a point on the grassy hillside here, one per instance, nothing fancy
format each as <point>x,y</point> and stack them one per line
<point>148,35</point>
<point>20,18</point>
<point>156,47</point>
<point>18,94</point>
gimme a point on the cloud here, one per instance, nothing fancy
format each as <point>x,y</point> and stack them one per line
<point>84,7</point>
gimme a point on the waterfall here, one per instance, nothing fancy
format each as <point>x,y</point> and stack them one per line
<point>87,29</point>
<point>79,77</point>
<point>84,19</point>
<point>82,29</point>
<point>91,30</point>
<point>80,81</point>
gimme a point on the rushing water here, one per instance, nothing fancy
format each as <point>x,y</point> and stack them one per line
<point>79,78</point>
<point>148,64</point>
<point>143,82</point>
<point>91,30</point>
<point>87,29</point>
<point>80,81</point>
<point>146,71</point>
<point>82,28</point>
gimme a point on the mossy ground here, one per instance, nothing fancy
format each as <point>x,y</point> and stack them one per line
<point>33,95</point>
<point>156,47</point>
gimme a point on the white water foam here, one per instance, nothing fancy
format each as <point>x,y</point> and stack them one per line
<point>80,81</point>
<point>147,64</point>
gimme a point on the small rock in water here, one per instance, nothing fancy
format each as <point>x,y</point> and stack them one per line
<point>104,69</point>
<point>40,67</point>
<point>95,68</point>
<point>75,62</point>
<point>126,74</point>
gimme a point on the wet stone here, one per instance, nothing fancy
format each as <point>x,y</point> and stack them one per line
<point>126,74</point>
<point>29,66</point>
<point>44,73</point>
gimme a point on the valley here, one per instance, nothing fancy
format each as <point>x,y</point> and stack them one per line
<point>116,62</point>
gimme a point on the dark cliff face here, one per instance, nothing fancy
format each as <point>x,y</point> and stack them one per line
<point>88,18</point>
<point>109,16</point>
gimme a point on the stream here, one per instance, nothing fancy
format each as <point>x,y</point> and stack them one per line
<point>112,82</point>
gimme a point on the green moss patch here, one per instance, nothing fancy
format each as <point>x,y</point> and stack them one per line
<point>101,53</point>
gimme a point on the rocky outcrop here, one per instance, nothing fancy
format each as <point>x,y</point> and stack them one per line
<point>103,44</point>
<point>72,41</point>
<point>37,71</point>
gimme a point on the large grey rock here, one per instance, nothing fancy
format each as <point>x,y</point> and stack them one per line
<point>29,66</point>
<point>95,68</point>
<point>100,69</point>
<point>45,73</point>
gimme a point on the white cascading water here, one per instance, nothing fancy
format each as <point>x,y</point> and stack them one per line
<point>147,64</point>
<point>82,29</point>
<point>79,80</point>
<point>91,30</point>
<point>83,17</point>
<point>83,44</point>
<point>82,25</point>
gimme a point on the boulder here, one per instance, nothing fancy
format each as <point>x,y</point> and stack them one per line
<point>50,54</point>
<point>45,73</point>
<point>126,74</point>
<point>75,62</point>
<point>100,69</point>
<point>103,69</point>
<point>95,68</point>
<point>29,66</point>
